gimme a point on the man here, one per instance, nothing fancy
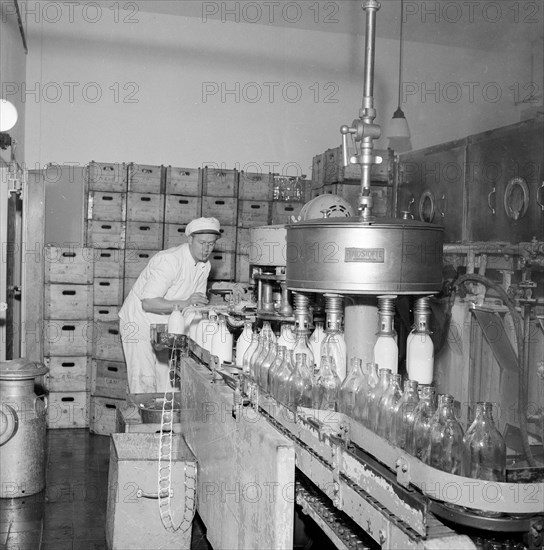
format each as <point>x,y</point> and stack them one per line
<point>176,276</point>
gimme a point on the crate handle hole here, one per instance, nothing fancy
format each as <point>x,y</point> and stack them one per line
<point>107,198</point>
<point>68,365</point>
<point>69,254</point>
<point>145,199</point>
<point>67,399</point>
<point>68,292</point>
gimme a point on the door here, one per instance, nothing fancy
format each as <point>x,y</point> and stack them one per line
<point>11,234</point>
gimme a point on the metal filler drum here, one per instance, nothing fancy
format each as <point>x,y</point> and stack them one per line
<point>364,256</point>
<point>22,429</point>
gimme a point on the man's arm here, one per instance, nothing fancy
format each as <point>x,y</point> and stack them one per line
<point>162,306</point>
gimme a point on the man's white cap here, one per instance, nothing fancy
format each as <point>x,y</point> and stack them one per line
<point>203,225</point>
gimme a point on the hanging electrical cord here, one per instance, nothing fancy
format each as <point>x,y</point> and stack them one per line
<point>522,335</point>
<point>165,462</point>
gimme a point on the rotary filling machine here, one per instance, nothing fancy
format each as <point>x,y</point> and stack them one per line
<point>257,459</point>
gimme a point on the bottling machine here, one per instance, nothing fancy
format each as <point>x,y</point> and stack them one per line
<point>478,249</point>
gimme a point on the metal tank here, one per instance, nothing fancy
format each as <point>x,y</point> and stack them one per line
<point>22,429</point>
<point>364,256</point>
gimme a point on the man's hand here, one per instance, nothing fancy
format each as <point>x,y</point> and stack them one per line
<point>197,299</point>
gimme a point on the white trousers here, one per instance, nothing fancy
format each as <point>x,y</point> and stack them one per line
<point>147,370</point>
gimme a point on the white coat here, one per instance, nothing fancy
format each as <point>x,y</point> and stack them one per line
<point>172,274</point>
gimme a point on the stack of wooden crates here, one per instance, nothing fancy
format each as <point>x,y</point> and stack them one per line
<point>131,212</point>
<point>330,176</point>
<point>68,334</point>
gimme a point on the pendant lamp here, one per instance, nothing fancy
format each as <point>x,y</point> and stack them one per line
<point>398,125</point>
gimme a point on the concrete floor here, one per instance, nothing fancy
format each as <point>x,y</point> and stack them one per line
<point>70,514</point>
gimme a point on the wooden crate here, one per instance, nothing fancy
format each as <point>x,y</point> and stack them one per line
<point>102,205</point>
<point>67,337</point>
<point>145,207</point>
<point>108,263</point>
<point>106,176</point>
<point>184,181</point>
<point>242,268</point>
<point>109,379</point>
<point>282,212</point>
<point>103,414</point>
<point>219,183</point>
<point>68,265</point>
<point>145,178</point>
<point>227,241</point>
<point>222,208</point>
<point>135,262</point>
<point>68,374</point>
<point>223,266</point>
<point>335,172</point>
<point>68,410</point>
<point>105,234</point>
<point>144,235</point>
<point>181,209</point>
<point>108,292</point>
<point>253,213</point>
<point>174,235</point>
<point>255,186</point>
<point>106,313</point>
<point>242,240</point>
<point>68,301</point>
<point>107,342</point>
<point>318,170</point>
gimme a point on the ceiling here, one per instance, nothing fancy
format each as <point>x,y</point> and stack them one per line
<point>478,24</point>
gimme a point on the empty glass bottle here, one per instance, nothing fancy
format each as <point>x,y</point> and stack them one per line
<point>302,346</point>
<point>316,339</point>
<point>484,447</point>
<point>243,342</point>
<point>284,374</point>
<point>349,388</point>
<point>273,373</point>
<point>387,406</point>
<point>404,416</point>
<point>327,386</point>
<point>300,383</point>
<point>267,329</point>
<point>419,440</point>
<point>374,396</point>
<point>446,439</point>
<point>334,345</point>
<point>361,397</point>
<point>265,366</point>
<point>247,357</point>
<point>287,336</point>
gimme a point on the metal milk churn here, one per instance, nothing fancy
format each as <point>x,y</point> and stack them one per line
<point>22,429</point>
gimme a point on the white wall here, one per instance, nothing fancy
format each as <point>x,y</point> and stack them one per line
<point>12,72</point>
<point>165,61</point>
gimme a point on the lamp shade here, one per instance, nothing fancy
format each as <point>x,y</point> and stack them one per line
<point>398,126</point>
<point>8,115</point>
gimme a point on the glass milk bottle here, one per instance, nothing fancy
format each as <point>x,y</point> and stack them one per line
<point>419,440</point>
<point>446,439</point>
<point>387,407</point>
<point>484,447</point>
<point>316,339</point>
<point>374,397</point>
<point>300,383</point>
<point>243,342</point>
<point>350,387</point>
<point>419,345</point>
<point>176,321</point>
<point>404,416</point>
<point>222,342</point>
<point>386,351</point>
<point>327,386</point>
